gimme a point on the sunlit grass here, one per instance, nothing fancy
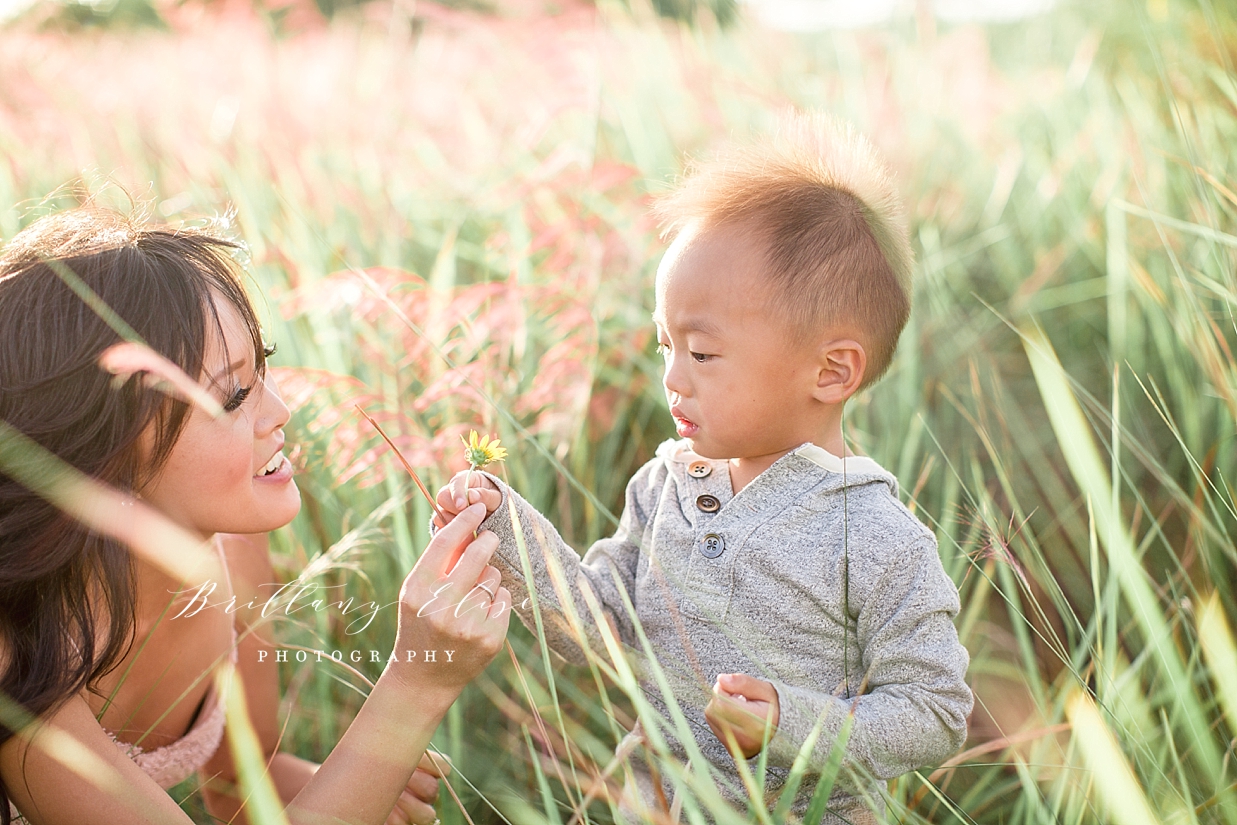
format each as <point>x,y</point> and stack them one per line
<point>448,223</point>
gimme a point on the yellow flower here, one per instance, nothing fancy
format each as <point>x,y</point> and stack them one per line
<point>481,452</point>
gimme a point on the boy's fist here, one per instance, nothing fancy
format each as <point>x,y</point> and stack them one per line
<point>741,710</point>
<point>453,498</point>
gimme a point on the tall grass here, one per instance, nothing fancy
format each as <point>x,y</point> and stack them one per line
<point>447,216</point>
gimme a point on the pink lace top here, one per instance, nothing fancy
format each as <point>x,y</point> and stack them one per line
<point>175,762</point>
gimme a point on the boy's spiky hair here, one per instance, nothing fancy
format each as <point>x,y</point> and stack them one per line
<point>824,203</point>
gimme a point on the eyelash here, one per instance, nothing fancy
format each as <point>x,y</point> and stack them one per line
<point>238,398</point>
<point>234,402</point>
<point>698,357</point>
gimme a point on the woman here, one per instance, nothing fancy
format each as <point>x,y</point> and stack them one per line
<point>90,641</point>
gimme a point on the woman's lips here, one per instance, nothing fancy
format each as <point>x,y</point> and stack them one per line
<point>282,474</point>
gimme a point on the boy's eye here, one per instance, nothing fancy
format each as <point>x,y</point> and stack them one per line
<point>663,349</point>
<point>700,357</point>
<point>237,398</point>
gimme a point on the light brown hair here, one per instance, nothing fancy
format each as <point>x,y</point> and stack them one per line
<point>821,200</point>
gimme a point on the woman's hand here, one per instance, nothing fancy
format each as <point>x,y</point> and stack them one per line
<point>414,807</point>
<point>455,496</point>
<point>416,803</point>
<point>452,622</point>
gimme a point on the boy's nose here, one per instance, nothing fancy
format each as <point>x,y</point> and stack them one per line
<point>674,377</point>
<point>672,380</point>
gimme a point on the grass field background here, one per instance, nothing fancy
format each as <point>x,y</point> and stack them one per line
<point>446,217</point>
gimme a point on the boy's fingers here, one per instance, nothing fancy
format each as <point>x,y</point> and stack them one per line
<point>747,686</point>
<point>750,716</point>
<point>726,731</point>
<point>457,490</point>
<point>446,500</point>
<point>490,498</point>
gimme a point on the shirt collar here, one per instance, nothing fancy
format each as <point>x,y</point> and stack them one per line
<point>679,452</point>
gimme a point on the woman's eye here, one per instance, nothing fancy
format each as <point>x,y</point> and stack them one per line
<point>238,398</point>
<point>269,349</point>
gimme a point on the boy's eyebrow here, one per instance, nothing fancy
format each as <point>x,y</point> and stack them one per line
<point>698,324</point>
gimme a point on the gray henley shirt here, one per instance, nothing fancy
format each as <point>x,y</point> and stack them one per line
<point>813,577</point>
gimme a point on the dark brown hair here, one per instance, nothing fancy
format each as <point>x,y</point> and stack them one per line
<point>822,202</point>
<point>67,594</point>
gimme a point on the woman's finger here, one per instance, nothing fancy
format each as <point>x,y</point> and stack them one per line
<point>423,786</point>
<point>447,541</point>
<point>410,810</point>
<point>435,764</point>
<point>474,559</point>
<point>501,606</point>
<point>491,577</point>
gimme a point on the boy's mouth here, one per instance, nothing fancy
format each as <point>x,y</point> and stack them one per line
<point>685,427</point>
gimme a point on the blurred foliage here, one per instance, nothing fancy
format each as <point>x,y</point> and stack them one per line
<point>128,13</point>
<point>448,223</point>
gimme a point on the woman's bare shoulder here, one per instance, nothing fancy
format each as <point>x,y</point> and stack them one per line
<point>68,749</point>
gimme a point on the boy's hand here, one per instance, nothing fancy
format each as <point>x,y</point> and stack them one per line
<point>741,709</point>
<point>453,498</point>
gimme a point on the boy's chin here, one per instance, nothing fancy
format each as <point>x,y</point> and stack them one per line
<point>702,448</point>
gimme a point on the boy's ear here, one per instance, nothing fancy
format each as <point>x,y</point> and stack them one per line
<point>841,366</point>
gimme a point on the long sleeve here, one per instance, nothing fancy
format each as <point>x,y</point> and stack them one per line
<point>609,567</point>
<point>914,700</point>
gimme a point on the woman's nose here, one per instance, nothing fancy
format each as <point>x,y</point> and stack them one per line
<point>275,413</point>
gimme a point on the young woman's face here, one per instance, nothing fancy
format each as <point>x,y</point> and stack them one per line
<point>229,474</point>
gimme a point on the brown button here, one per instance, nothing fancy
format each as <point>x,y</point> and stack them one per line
<point>712,545</point>
<point>708,503</point>
<point>699,469</point>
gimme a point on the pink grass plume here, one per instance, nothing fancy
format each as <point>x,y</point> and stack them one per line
<point>130,358</point>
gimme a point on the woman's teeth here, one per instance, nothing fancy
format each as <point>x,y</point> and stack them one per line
<point>274,464</point>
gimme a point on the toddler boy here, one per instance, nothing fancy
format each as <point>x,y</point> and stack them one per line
<point>779,580</point>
